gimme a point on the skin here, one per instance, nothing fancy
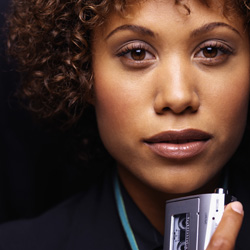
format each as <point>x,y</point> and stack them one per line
<point>176,85</point>
<point>226,233</point>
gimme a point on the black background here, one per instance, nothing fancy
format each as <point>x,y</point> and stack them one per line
<point>35,172</point>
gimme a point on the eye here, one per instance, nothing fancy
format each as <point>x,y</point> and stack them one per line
<point>136,54</point>
<point>213,52</point>
<point>210,52</point>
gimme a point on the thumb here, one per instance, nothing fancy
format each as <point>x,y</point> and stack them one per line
<point>226,233</point>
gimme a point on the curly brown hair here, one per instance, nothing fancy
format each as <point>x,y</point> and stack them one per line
<point>50,41</point>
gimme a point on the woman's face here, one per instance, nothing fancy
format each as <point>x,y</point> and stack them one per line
<point>171,92</point>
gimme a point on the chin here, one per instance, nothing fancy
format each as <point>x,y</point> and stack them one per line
<point>187,187</point>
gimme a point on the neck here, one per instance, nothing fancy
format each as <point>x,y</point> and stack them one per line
<point>152,202</point>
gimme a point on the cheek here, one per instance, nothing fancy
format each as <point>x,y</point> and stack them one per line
<point>120,98</point>
<point>230,106</point>
<point>116,109</point>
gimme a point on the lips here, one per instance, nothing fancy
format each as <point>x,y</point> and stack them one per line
<point>181,144</point>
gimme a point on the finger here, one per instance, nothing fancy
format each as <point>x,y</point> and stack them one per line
<point>225,235</point>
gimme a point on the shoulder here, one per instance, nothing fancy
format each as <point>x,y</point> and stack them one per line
<point>86,221</point>
<point>41,230</point>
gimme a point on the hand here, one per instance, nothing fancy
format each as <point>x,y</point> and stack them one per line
<point>225,235</point>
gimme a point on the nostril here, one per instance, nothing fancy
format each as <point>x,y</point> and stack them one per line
<point>166,109</point>
<point>187,109</point>
<point>177,101</point>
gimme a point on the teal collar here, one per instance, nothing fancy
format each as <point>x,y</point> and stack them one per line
<point>123,214</point>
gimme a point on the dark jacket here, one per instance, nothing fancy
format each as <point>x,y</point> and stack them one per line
<point>90,221</point>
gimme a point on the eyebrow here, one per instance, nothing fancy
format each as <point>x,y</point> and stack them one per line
<point>135,28</point>
<point>211,26</point>
<point>199,31</point>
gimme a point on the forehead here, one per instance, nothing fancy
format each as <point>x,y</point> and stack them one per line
<point>229,8</point>
<point>181,11</point>
<point>125,4</point>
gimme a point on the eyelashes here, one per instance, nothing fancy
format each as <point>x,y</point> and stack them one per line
<point>136,51</point>
<point>141,54</point>
<point>137,54</point>
<point>213,52</point>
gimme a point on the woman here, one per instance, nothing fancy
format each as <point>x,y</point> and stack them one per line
<point>169,84</point>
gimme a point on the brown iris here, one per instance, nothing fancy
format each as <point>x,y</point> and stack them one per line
<point>138,54</point>
<point>210,52</point>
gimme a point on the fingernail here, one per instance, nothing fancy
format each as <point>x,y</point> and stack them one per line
<point>237,207</point>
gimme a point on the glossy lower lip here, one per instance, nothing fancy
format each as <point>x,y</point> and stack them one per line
<point>179,145</point>
<point>178,151</point>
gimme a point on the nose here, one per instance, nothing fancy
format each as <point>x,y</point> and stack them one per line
<point>177,91</point>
